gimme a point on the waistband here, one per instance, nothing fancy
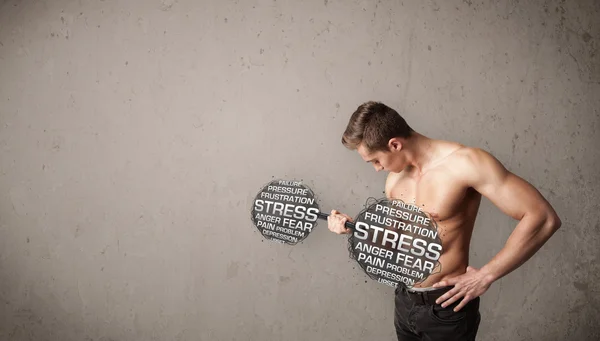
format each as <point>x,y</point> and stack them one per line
<point>423,289</point>
<point>423,297</point>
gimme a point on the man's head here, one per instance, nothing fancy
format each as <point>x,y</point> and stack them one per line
<point>378,133</point>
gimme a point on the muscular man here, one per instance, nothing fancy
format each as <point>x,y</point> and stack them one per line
<point>447,180</point>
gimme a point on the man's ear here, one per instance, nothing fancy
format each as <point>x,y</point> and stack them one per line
<point>394,144</point>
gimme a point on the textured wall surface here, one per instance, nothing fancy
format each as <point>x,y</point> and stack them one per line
<point>134,136</point>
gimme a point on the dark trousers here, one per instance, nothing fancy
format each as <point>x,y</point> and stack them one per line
<point>418,317</point>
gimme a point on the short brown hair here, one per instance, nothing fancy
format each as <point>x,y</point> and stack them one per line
<point>374,124</point>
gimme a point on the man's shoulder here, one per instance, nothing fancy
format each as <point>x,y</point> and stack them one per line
<point>392,177</point>
<point>391,180</point>
<point>471,163</point>
<point>471,156</point>
<point>451,151</point>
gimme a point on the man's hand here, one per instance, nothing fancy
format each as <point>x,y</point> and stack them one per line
<point>336,221</point>
<point>469,285</point>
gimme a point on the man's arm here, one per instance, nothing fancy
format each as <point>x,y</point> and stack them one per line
<point>520,200</point>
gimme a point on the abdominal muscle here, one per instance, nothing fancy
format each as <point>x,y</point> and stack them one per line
<point>453,264</point>
<point>455,235</point>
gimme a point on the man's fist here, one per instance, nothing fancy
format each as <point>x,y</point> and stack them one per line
<point>336,221</point>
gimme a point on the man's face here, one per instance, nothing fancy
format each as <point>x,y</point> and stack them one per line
<point>390,160</point>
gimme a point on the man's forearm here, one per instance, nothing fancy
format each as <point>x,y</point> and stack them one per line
<point>527,238</point>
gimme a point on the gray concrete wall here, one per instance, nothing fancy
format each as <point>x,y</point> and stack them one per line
<point>134,135</point>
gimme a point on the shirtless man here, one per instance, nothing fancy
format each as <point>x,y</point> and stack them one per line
<point>447,180</point>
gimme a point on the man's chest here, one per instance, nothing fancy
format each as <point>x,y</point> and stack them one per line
<point>440,195</point>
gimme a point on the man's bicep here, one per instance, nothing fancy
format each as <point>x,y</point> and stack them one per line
<point>510,193</point>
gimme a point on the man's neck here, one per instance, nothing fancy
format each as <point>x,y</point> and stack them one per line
<point>420,151</point>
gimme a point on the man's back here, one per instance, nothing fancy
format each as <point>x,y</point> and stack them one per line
<point>442,192</point>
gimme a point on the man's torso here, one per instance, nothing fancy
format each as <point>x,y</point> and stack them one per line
<point>444,194</point>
